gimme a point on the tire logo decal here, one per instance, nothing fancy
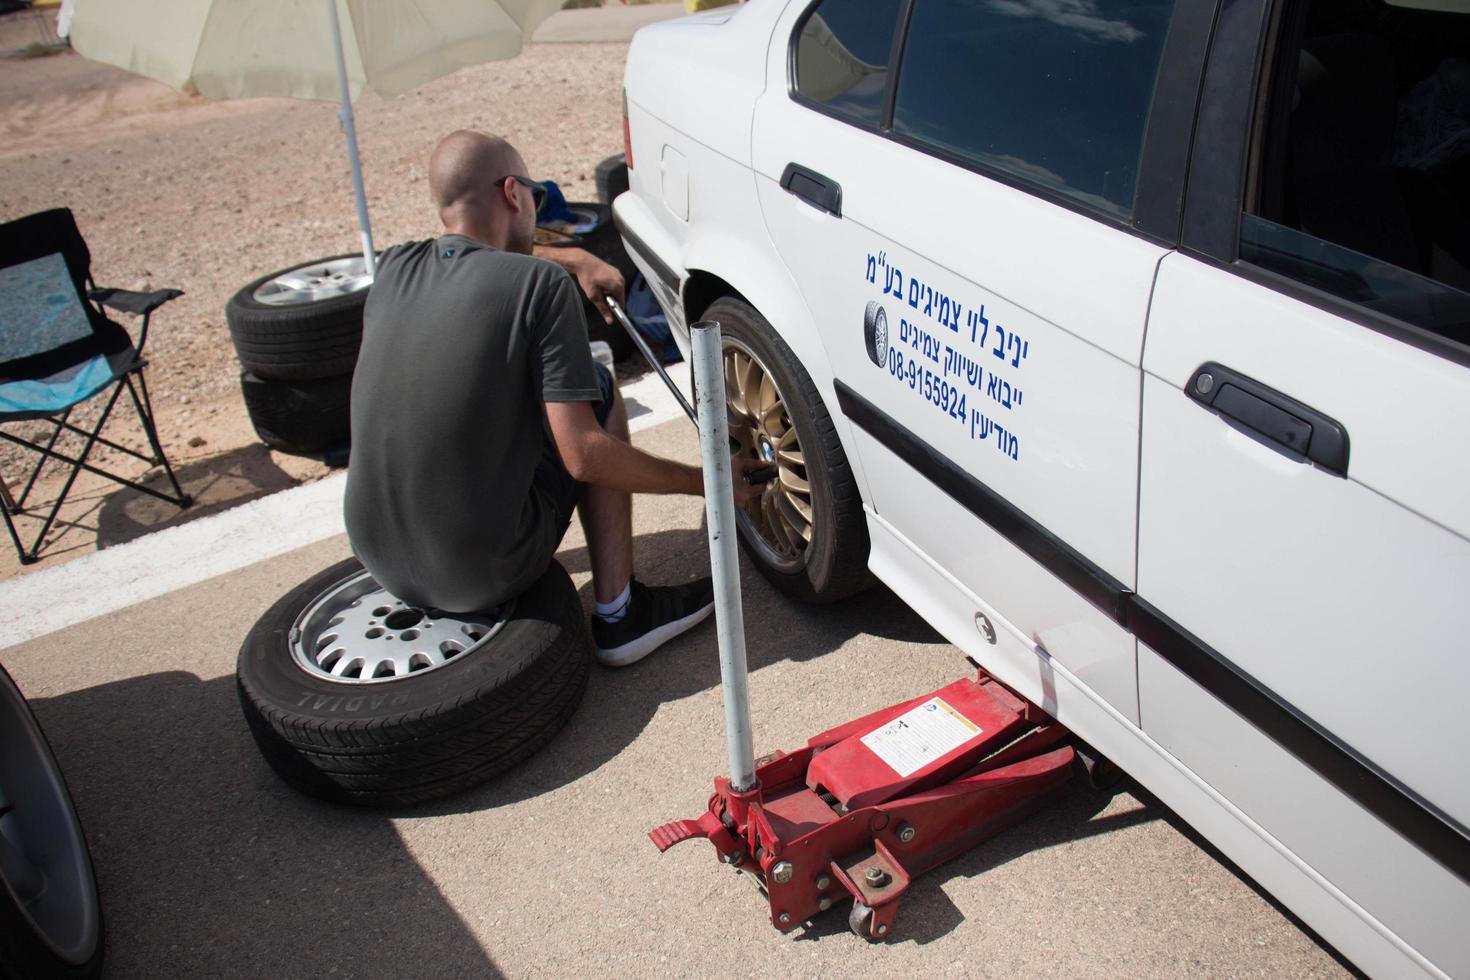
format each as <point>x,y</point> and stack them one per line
<point>946,349</point>
<point>875,333</point>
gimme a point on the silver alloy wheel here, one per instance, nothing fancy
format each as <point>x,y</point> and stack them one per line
<point>780,521</point>
<point>314,283</point>
<point>357,633</point>
<point>43,855</point>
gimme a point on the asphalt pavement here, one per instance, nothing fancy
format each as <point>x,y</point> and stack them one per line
<point>210,866</point>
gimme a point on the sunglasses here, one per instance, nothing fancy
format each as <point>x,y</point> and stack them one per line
<point>538,192</point>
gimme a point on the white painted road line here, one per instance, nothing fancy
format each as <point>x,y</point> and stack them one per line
<point>155,564</point>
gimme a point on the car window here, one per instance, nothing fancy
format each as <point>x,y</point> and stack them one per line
<point>1056,94</point>
<point>842,57</point>
<point>1363,162</point>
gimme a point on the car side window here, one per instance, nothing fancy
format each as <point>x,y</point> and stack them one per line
<point>842,56</point>
<point>1051,94</point>
<point>1363,161</point>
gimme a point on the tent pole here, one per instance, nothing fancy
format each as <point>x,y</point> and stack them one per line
<point>349,129</point>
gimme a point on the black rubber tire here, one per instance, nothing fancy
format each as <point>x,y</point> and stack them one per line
<point>837,558</point>
<point>612,178</point>
<point>23,953</point>
<point>299,417</point>
<point>604,242</point>
<point>296,343</point>
<point>427,735</point>
<point>1102,774</point>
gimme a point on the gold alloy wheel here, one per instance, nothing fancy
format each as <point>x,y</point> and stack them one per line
<point>780,521</point>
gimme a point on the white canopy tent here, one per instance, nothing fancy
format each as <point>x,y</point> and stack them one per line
<point>304,49</point>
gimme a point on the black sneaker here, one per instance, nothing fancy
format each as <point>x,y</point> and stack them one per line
<point>655,615</point>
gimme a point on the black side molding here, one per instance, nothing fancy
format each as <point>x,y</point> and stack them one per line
<point>820,192</point>
<point>636,244</point>
<point>1414,818</point>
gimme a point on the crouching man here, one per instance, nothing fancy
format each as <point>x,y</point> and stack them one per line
<point>480,420</point>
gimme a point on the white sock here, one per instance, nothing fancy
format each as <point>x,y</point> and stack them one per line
<point>614,611</point>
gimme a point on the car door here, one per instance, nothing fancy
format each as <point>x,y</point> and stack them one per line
<point>1304,538</point>
<point>960,191</point>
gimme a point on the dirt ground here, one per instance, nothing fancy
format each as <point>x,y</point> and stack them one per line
<point>174,190</point>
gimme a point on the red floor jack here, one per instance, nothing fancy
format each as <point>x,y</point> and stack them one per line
<point>864,808</point>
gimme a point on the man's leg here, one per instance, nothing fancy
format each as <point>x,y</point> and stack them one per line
<point>632,619</point>
<point>607,521</point>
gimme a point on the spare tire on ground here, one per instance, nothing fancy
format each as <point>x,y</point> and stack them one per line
<point>356,697</point>
<point>301,323</point>
<point>299,417</point>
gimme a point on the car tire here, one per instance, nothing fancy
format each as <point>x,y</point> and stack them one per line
<point>604,242</point>
<point>421,736</point>
<point>612,178</point>
<point>56,932</point>
<point>834,563</point>
<point>305,333</point>
<point>299,417</point>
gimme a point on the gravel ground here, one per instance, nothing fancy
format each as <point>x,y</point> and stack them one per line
<point>172,190</point>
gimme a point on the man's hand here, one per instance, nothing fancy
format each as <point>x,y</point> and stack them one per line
<point>597,279</point>
<point>740,469</point>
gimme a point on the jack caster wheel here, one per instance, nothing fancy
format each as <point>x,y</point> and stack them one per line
<point>860,921</point>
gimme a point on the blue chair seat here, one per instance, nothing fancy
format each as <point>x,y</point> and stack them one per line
<point>43,397</point>
<point>59,349</point>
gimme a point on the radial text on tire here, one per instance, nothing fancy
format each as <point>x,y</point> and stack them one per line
<point>805,531</point>
<point>50,915</point>
<point>301,323</point>
<point>421,714</point>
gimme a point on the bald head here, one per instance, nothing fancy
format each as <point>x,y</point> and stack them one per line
<point>463,166</point>
<point>467,172</point>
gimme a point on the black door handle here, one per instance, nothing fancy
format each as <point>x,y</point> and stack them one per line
<point>818,191</point>
<point>1270,417</point>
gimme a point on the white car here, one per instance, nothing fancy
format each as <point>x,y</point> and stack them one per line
<point>1129,342</point>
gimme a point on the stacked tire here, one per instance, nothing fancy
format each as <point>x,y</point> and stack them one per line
<point>297,334</point>
<point>599,236</point>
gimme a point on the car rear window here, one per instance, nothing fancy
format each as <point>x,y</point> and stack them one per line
<point>842,57</point>
<point>1053,92</point>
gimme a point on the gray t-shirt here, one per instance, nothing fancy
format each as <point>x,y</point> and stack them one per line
<point>461,345</point>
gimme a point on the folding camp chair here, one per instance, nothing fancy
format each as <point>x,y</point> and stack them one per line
<point>58,349</point>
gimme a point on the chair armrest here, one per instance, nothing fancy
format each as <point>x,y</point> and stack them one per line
<point>127,301</point>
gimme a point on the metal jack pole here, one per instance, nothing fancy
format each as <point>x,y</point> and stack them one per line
<point>349,129</point>
<point>719,503</point>
<point>654,361</point>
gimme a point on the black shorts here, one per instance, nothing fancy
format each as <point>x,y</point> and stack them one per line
<point>552,477</point>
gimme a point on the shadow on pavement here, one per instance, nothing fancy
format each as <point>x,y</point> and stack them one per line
<point>926,912</point>
<point>211,866</point>
<point>620,703</point>
<point>217,483</point>
<point>110,514</point>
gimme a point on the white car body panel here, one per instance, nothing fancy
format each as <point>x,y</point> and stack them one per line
<point>1359,631</point>
<point>1353,599</point>
<point>1327,908</point>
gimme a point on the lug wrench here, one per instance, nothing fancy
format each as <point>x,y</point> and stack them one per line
<point>762,475</point>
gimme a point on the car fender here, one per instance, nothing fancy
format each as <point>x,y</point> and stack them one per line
<point>719,264</point>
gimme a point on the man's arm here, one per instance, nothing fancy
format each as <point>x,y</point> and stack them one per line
<point>591,455</point>
<point>597,279</point>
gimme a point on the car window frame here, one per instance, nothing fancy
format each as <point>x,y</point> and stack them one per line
<point>1159,193</point>
<point>1227,148</point>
